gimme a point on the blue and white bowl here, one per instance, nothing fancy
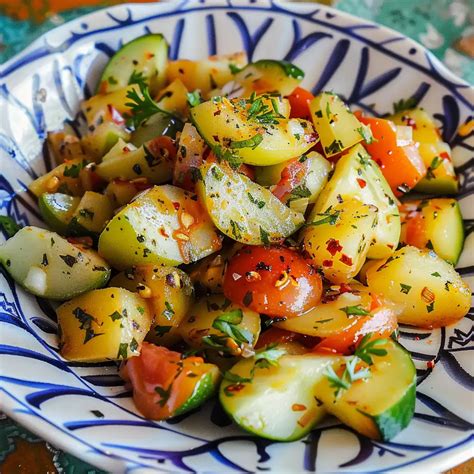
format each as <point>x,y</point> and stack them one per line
<point>84,409</point>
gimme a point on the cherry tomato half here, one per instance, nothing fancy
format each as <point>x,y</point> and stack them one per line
<point>299,101</point>
<point>275,281</point>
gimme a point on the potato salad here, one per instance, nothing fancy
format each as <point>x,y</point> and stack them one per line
<point>218,230</point>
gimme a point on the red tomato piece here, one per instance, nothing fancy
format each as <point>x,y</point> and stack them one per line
<point>275,281</point>
<point>299,101</point>
<point>161,380</point>
<point>291,177</point>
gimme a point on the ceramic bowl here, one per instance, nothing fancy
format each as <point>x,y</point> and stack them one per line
<point>84,408</point>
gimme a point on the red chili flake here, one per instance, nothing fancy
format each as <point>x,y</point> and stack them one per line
<point>427,295</point>
<point>430,364</point>
<point>445,156</point>
<point>327,263</point>
<point>236,387</point>
<point>346,260</point>
<point>417,338</point>
<point>298,407</point>
<point>362,183</point>
<point>176,205</point>
<point>344,288</point>
<point>333,246</point>
<point>149,55</point>
<point>217,112</point>
<point>311,138</point>
<point>409,121</point>
<point>163,232</point>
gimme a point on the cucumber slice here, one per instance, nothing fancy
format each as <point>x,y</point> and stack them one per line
<point>48,265</point>
<point>357,176</point>
<point>443,226</point>
<point>145,56</point>
<point>380,406</point>
<point>242,209</point>
<point>278,403</point>
<point>91,215</point>
<point>57,210</point>
<point>227,129</point>
<point>270,75</point>
<point>154,231</point>
<point>156,126</point>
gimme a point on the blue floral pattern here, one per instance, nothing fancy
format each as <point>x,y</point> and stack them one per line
<point>85,408</point>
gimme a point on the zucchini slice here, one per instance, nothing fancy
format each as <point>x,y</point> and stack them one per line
<point>163,225</point>
<point>57,210</point>
<point>143,59</point>
<point>234,128</point>
<point>48,265</point>
<point>379,406</point>
<point>277,400</point>
<point>442,227</point>
<point>156,126</point>
<point>357,176</point>
<point>242,209</point>
<point>269,75</point>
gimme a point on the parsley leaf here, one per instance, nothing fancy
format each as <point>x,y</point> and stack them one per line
<point>355,310</point>
<point>137,77</point>
<point>367,348</point>
<point>404,104</point>
<point>9,226</point>
<point>252,142</point>
<point>194,98</point>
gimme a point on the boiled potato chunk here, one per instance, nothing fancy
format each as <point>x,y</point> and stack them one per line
<point>47,265</point>
<point>174,98</point>
<point>163,225</point>
<point>63,179</point>
<point>337,126</point>
<point>216,323</point>
<point>428,291</point>
<point>106,324</point>
<point>205,74</point>
<point>242,209</point>
<point>226,127</point>
<point>357,176</point>
<point>148,161</point>
<point>169,294</point>
<point>121,192</point>
<point>338,240</point>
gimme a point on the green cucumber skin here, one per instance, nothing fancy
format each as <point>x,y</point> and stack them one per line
<point>396,418</point>
<point>440,187</point>
<point>289,69</point>
<point>204,390</point>
<point>51,217</point>
<point>114,63</point>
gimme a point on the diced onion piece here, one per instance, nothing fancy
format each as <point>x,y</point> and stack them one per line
<point>36,280</point>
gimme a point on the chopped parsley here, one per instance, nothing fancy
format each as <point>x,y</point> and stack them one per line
<point>356,310</point>
<point>405,288</point>
<point>9,226</point>
<point>264,236</point>
<point>404,104</point>
<point>194,98</point>
<point>252,142</point>
<point>367,348</point>
<point>258,203</point>
<point>137,77</point>
<point>168,312</point>
<point>86,321</point>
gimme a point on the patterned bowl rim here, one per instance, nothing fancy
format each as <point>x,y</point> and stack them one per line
<point>439,460</point>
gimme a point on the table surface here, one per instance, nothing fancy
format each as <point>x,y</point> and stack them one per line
<point>438,24</point>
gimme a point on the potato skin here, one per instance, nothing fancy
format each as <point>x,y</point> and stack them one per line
<point>428,290</point>
<point>106,324</point>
